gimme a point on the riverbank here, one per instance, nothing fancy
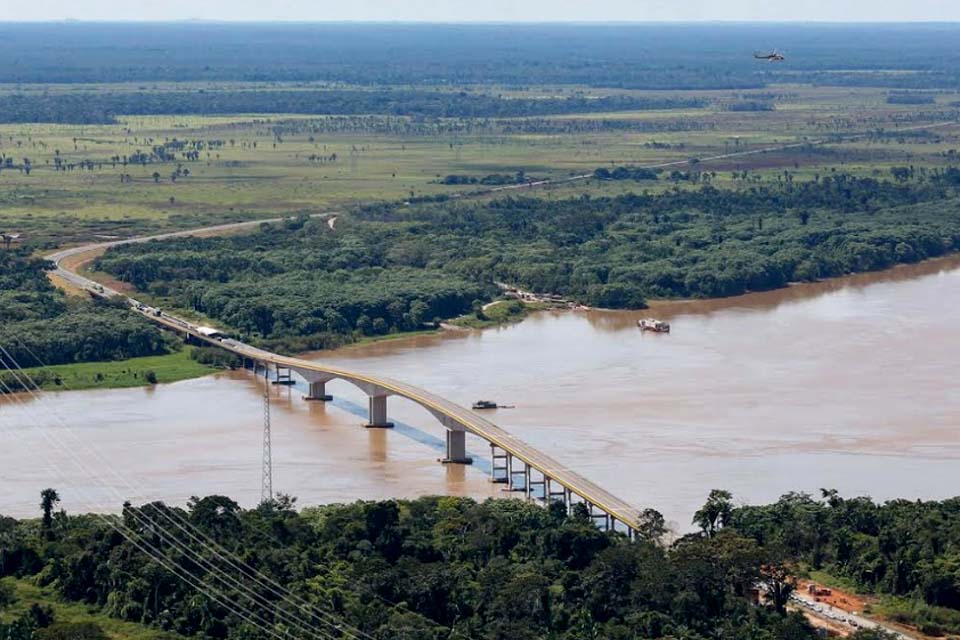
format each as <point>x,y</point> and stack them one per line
<point>121,374</point>
<point>498,313</point>
<point>365,340</point>
<point>796,291</point>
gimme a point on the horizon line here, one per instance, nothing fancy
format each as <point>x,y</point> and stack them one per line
<point>305,22</point>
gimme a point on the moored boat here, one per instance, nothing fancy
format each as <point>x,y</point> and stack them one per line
<point>652,324</point>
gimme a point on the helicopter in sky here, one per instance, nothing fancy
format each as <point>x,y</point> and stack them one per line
<point>773,56</point>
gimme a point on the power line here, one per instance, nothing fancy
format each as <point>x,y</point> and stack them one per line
<point>175,518</point>
<point>150,550</point>
<point>179,521</point>
<point>145,520</point>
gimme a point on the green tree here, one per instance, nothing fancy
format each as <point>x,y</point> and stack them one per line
<point>715,513</point>
<point>419,313</point>
<point>652,526</point>
<point>7,595</point>
<point>364,324</point>
<point>477,306</point>
<point>72,631</point>
<point>49,499</point>
<point>778,580</point>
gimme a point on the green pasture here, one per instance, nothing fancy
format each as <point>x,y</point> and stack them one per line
<point>255,174</point>
<point>135,372</point>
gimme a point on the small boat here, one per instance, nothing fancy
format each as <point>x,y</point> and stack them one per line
<point>484,404</point>
<point>652,324</point>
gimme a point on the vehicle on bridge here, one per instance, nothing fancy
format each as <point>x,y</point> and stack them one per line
<point>210,332</point>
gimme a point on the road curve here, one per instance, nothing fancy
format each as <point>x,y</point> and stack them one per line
<point>449,413</point>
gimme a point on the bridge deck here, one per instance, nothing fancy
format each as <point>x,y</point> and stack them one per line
<point>469,420</point>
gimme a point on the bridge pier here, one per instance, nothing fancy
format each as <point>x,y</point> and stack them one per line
<point>318,392</point>
<point>283,376</point>
<point>512,474</point>
<point>602,516</point>
<point>542,483</point>
<point>317,385</point>
<point>378,413</point>
<point>551,495</point>
<point>495,467</point>
<point>457,448</point>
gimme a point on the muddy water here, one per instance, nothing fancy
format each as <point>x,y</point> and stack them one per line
<point>848,385</point>
<point>205,436</point>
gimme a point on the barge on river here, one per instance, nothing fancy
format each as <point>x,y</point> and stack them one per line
<point>652,324</point>
<point>490,404</point>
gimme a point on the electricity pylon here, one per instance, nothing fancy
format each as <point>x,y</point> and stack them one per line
<point>266,485</point>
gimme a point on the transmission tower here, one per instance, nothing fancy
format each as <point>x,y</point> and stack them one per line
<point>266,485</point>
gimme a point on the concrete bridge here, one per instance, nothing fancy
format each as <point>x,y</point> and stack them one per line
<point>515,463</point>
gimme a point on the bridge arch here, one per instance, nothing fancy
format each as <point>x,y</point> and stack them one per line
<point>377,395</point>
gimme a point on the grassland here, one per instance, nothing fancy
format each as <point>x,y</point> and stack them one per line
<point>135,372</point>
<point>28,594</point>
<point>269,165</point>
<point>99,182</point>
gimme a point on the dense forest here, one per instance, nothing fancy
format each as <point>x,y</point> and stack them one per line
<point>903,548</point>
<point>626,173</point>
<point>102,106</point>
<point>666,56</point>
<point>38,323</point>
<point>426,569</point>
<point>429,127</point>
<point>301,286</point>
<point>392,267</point>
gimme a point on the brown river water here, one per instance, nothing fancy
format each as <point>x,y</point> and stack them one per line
<point>848,384</point>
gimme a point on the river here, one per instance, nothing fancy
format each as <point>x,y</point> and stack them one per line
<point>846,384</point>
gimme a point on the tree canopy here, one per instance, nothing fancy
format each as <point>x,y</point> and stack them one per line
<point>38,323</point>
<point>393,266</point>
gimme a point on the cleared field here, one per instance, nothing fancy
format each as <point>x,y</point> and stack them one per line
<point>135,372</point>
<point>156,172</point>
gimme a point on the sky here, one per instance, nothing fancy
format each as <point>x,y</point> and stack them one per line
<point>484,10</point>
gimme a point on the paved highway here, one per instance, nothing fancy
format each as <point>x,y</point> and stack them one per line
<point>831,614</point>
<point>445,410</point>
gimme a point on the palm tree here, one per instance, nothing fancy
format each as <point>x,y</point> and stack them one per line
<point>156,176</point>
<point>715,513</point>
<point>49,498</point>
